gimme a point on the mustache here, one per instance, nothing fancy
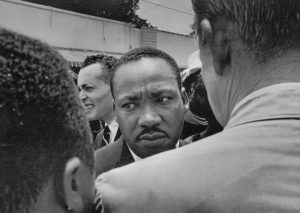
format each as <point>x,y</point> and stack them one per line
<point>149,130</point>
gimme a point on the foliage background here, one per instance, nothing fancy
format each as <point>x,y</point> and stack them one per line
<point>120,10</point>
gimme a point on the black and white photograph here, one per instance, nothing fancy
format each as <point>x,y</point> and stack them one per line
<point>149,106</point>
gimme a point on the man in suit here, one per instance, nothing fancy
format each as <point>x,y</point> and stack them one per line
<point>46,153</point>
<point>93,82</point>
<point>149,107</point>
<point>250,52</point>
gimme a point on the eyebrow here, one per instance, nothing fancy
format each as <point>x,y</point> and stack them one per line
<point>129,97</point>
<point>157,93</point>
<point>83,85</point>
<point>101,76</point>
<point>152,94</point>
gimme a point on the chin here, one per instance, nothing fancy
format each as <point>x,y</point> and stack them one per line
<point>92,117</point>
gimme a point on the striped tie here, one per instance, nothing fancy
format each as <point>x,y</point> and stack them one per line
<point>106,134</point>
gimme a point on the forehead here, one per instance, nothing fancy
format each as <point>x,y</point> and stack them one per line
<point>90,73</point>
<point>144,72</point>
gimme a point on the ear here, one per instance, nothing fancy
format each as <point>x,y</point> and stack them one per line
<point>219,43</point>
<point>71,184</point>
<point>185,100</point>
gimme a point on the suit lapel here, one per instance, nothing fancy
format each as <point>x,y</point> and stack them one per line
<point>126,156</point>
<point>118,135</point>
<point>184,142</point>
<point>100,141</point>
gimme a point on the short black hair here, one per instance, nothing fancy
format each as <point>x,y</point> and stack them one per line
<point>145,52</point>
<point>42,124</point>
<point>267,27</point>
<point>105,60</point>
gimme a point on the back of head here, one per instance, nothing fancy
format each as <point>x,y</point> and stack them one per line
<point>145,52</point>
<point>267,27</point>
<point>42,123</point>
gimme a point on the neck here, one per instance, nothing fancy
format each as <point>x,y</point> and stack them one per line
<point>109,118</point>
<point>249,77</point>
<point>281,70</point>
<point>46,202</point>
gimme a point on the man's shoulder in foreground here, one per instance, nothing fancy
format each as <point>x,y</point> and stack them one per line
<point>228,171</point>
<point>141,180</point>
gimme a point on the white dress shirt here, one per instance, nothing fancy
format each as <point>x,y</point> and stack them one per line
<point>137,158</point>
<point>113,127</point>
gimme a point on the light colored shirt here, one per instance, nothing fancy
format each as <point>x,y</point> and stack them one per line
<point>113,127</point>
<point>253,165</point>
<point>137,158</point>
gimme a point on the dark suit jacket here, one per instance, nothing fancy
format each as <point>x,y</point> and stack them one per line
<point>114,155</point>
<point>101,142</point>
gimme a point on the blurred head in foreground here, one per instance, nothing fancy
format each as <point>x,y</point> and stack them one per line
<point>46,157</point>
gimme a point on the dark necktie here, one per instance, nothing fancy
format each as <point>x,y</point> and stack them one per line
<point>106,134</point>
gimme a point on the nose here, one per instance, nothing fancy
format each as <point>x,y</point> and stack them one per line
<point>149,117</point>
<point>82,95</point>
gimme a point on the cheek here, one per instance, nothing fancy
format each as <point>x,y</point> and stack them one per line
<point>104,101</point>
<point>206,70</point>
<point>97,97</point>
<point>211,85</point>
<point>101,94</point>
<point>208,74</point>
<point>126,122</point>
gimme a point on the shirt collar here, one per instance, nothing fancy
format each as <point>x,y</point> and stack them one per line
<point>113,127</point>
<point>267,103</point>
<point>113,124</point>
<point>137,158</point>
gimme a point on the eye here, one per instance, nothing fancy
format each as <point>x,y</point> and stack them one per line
<point>129,106</point>
<point>88,88</point>
<point>163,100</point>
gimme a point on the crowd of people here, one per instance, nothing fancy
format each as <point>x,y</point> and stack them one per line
<point>221,136</point>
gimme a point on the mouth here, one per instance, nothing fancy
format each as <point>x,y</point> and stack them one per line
<point>88,107</point>
<point>152,136</point>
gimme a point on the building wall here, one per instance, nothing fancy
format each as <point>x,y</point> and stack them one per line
<point>67,29</point>
<point>179,46</point>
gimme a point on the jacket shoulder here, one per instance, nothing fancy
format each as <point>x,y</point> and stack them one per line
<point>106,158</point>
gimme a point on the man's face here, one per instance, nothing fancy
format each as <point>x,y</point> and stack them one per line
<point>148,106</point>
<point>214,84</point>
<point>94,93</point>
